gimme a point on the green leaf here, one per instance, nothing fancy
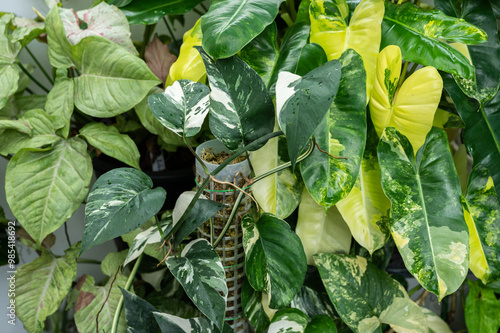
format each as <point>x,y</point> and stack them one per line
<point>26,30</point>
<point>241,109</point>
<point>139,314</point>
<point>152,11</point>
<point>288,320</point>
<point>200,272</point>
<point>482,213</point>
<point>275,261</point>
<point>320,324</point>
<point>435,323</point>
<point>19,105</point>
<point>407,25</point>
<point>9,76</point>
<point>354,283</point>
<point>251,302</point>
<point>231,24</point>
<point>312,303</point>
<point>9,73</point>
<point>481,309</point>
<point>311,56</point>
<point>278,193</point>
<point>182,107</point>
<point>112,262</point>
<point>321,230</point>
<point>302,102</point>
<point>45,187</point>
<point>42,285</point>
<point>120,200</point>
<point>60,100</point>
<point>173,324</point>
<point>112,143</point>
<point>427,220</point>
<point>202,211</point>
<point>341,133</point>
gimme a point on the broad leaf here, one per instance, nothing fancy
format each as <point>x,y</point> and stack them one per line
<point>9,73</point>
<point>302,102</point>
<point>275,261</point>
<point>278,193</point>
<point>481,309</point>
<point>112,262</point>
<point>288,320</point>
<point>253,309</point>
<point>45,187</point>
<point>241,109</point>
<point>320,324</point>
<point>200,272</point>
<point>313,303</point>
<point>329,175</point>
<point>411,108</point>
<point>407,25</point>
<point>120,200</point>
<point>435,323</point>
<point>169,323</point>
<point>152,11</point>
<point>320,230</point>
<point>112,143</point>
<point>482,213</point>
<point>139,314</point>
<point>354,283</point>
<point>182,107</point>
<point>60,100</point>
<point>427,220</point>
<point>159,59</point>
<point>312,55</point>
<point>26,30</point>
<point>42,285</point>
<point>331,28</point>
<point>231,24</point>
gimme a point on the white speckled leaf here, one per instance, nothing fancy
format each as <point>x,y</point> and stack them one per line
<point>288,321</point>
<point>120,201</point>
<point>253,308</point>
<point>199,270</point>
<point>366,297</point>
<point>427,219</point>
<point>172,324</point>
<point>182,107</point>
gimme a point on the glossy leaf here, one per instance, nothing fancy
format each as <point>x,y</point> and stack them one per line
<point>313,303</point>
<point>411,108</point>
<point>427,221</point>
<point>42,285</point>
<point>407,25</point>
<point>112,143</point>
<point>481,309</point>
<point>251,302</point>
<point>331,28</point>
<point>199,270</point>
<point>182,107</point>
<point>278,193</point>
<point>275,261</point>
<point>320,230</point>
<point>229,25</point>
<point>288,320</point>
<point>120,200</point>
<point>169,323</point>
<point>354,283</point>
<point>241,109</point>
<point>312,55</point>
<point>320,324</point>
<point>45,187</point>
<point>435,323</point>
<point>158,58</point>
<point>342,134</point>
<point>140,12</point>
<point>482,214</point>
<point>139,314</point>
<point>302,103</point>
<point>60,100</point>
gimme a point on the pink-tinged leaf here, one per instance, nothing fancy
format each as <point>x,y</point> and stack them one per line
<point>102,20</point>
<point>159,59</point>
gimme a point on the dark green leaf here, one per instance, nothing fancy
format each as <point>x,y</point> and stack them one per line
<point>151,11</point>
<point>251,301</point>
<point>481,309</point>
<point>139,314</point>
<point>321,324</point>
<point>311,56</point>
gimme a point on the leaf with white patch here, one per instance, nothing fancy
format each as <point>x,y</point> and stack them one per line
<point>139,314</point>
<point>253,308</point>
<point>313,303</point>
<point>427,219</point>
<point>169,324</point>
<point>353,283</point>
<point>435,323</point>
<point>200,272</point>
<point>120,200</point>
<point>289,320</point>
<point>182,107</point>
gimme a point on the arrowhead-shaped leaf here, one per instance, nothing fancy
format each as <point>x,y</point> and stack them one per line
<point>481,309</point>
<point>427,220</point>
<point>312,55</point>
<point>159,59</point>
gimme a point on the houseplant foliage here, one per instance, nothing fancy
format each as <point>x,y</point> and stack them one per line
<point>352,113</point>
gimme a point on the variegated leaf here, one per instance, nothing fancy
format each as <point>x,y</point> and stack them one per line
<point>288,320</point>
<point>320,324</point>
<point>120,200</point>
<point>410,108</point>
<point>482,214</point>
<point>427,220</point>
<point>342,274</point>
<point>321,230</point>
<point>342,134</point>
<point>313,303</point>
<point>169,323</point>
<point>241,109</point>
<point>251,302</point>
<point>182,107</point>
<point>199,270</point>
<point>26,30</point>
<point>302,103</point>
<point>139,314</point>
<point>435,323</point>
<point>60,100</point>
<point>267,267</point>
<point>335,32</point>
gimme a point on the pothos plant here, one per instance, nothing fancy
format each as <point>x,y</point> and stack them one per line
<point>359,116</point>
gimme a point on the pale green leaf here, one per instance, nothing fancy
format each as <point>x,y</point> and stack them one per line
<point>481,309</point>
<point>112,262</point>
<point>60,100</point>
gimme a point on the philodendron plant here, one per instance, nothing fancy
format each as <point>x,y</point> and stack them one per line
<point>360,119</point>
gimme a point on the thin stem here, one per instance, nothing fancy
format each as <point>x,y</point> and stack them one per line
<point>40,66</point>
<point>198,158</point>
<point>88,261</point>
<point>403,74</point>
<point>197,11</point>
<point>148,32</point>
<point>291,9</point>
<point>230,219</point>
<point>157,222</point>
<point>412,69</point>
<point>203,6</point>
<point>32,78</point>
<point>171,33</point>
<point>414,290</point>
<point>30,91</point>
<point>127,286</point>
<point>67,234</point>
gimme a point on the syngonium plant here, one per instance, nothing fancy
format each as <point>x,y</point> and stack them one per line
<point>359,116</point>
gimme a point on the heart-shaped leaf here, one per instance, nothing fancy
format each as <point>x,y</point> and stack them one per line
<point>312,55</point>
<point>158,58</point>
<point>481,309</point>
<point>289,320</point>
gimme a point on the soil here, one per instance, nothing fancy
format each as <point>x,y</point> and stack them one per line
<point>208,155</point>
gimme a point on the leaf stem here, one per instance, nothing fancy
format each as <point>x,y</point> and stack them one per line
<point>148,32</point>
<point>198,158</point>
<point>197,11</point>
<point>171,33</point>
<point>230,219</point>
<point>32,78</point>
<point>40,66</point>
<point>414,290</point>
<point>403,74</point>
<point>127,286</point>
<point>203,6</point>
<point>88,261</point>
<point>291,9</point>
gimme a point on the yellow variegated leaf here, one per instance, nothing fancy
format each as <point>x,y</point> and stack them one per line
<point>189,64</point>
<point>462,48</point>
<point>461,160</point>
<point>321,231</point>
<point>363,34</point>
<point>411,108</point>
